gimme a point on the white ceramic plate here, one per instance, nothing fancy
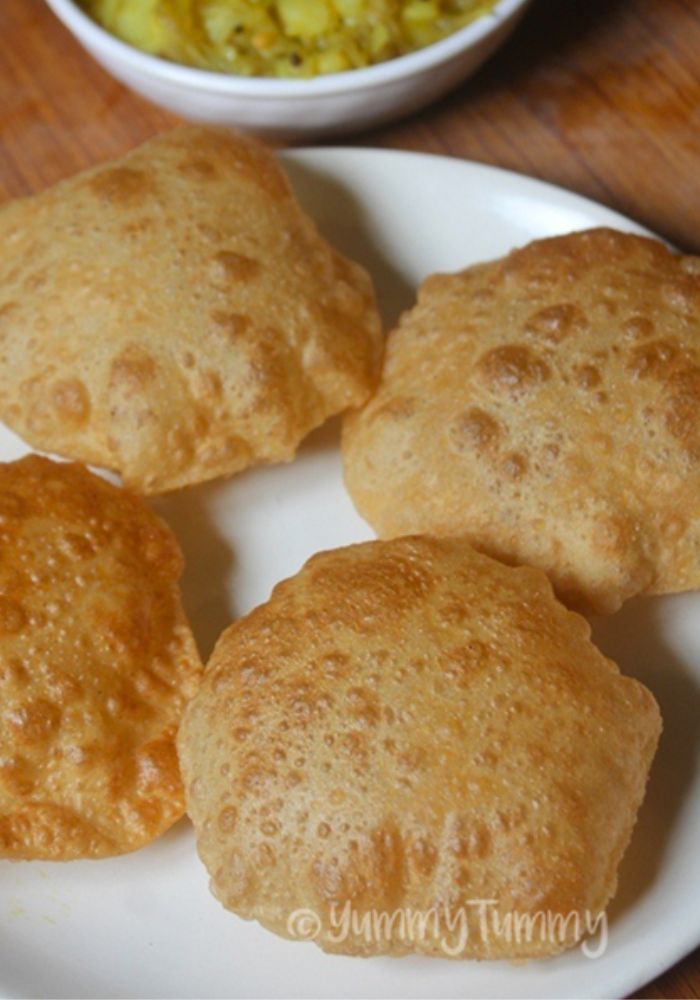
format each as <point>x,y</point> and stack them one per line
<point>145,924</point>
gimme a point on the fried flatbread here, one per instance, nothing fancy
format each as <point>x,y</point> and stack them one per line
<point>545,406</point>
<point>96,664</point>
<point>175,316</point>
<point>409,727</point>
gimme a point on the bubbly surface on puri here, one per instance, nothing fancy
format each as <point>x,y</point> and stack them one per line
<point>545,406</point>
<point>407,725</point>
<point>175,316</point>
<point>96,664</point>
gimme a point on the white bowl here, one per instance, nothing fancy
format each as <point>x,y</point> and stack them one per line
<point>338,102</point>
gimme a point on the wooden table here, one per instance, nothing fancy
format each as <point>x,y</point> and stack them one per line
<point>600,96</point>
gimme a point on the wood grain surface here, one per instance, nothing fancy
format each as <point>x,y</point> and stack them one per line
<point>600,96</point>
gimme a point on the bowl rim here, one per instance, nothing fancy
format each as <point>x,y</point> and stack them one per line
<point>99,38</point>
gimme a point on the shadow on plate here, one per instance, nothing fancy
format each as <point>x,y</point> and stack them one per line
<point>343,220</point>
<point>177,840</point>
<point>324,438</point>
<point>208,562</point>
<point>634,639</point>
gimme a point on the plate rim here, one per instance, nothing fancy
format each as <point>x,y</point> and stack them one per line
<point>532,185</point>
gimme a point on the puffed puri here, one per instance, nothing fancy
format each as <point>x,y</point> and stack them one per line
<point>97,662</point>
<point>411,748</point>
<point>545,406</point>
<point>176,316</point>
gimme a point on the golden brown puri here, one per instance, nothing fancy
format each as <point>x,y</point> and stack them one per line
<point>175,315</point>
<point>409,725</point>
<point>96,664</point>
<point>545,406</point>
